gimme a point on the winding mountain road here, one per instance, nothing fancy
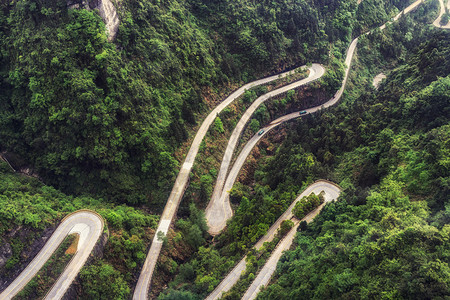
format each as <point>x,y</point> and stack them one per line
<point>218,210</point>
<point>437,22</point>
<point>224,205</point>
<point>332,192</point>
<point>89,225</point>
<point>143,285</point>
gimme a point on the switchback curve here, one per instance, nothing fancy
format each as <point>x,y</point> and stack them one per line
<point>218,211</point>
<point>143,285</point>
<point>267,271</point>
<point>89,225</point>
<point>332,192</point>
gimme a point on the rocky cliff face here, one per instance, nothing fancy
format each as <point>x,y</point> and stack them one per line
<point>107,11</point>
<point>31,249</point>
<point>5,254</point>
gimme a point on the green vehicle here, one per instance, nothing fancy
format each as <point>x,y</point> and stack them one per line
<point>303,112</point>
<point>261,132</point>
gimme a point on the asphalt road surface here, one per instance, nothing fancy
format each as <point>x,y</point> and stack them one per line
<point>219,209</point>
<point>89,226</point>
<point>143,285</point>
<point>378,79</point>
<point>441,12</point>
<point>217,212</point>
<point>176,195</point>
<point>331,193</point>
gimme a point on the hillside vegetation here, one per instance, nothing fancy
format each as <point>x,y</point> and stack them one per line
<point>388,235</point>
<point>31,211</point>
<point>368,142</point>
<point>105,118</point>
<point>105,125</point>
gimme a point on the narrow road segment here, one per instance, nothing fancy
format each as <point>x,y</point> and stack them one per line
<point>217,212</point>
<point>143,285</point>
<point>89,225</point>
<point>437,22</point>
<point>224,204</point>
<point>332,192</point>
<point>263,277</point>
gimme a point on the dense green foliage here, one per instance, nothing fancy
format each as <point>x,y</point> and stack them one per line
<point>383,248</point>
<point>388,236</point>
<point>202,273</point>
<point>391,145</point>
<point>105,118</point>
<point>27,202</point>
<point>307,204</point>
<point>102,281</point>
<point>30,206</point>
<point>73,107</point>
<point>194,229</point>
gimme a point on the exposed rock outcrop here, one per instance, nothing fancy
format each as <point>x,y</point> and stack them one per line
<point>106,9</point>
<point>5,253</point>
<point>26,255</point>
<point>19,165</point>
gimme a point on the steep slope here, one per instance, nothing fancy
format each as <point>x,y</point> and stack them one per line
<point>389,234</point>
<point>99,117</point>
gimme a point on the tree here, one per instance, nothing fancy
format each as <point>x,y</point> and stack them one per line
<point>218,125</point>
<point>285,226</point>
<point>187,272</point>
<point>303,226</point>
<point>102,281</point>
<point>206,187</point>
<point>254,125</point>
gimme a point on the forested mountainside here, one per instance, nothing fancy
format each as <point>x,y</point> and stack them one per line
<point>388,235</point>
<point>30,212</point>
<point>387,148</point>
<point>105,124</point>
<point>105,117</point>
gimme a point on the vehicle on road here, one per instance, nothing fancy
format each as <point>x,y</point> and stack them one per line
<point>261,132</point>
<point>303,112</point>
